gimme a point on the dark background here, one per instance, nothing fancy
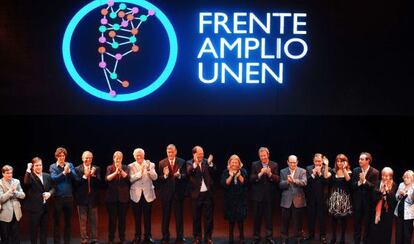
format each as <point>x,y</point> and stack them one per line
<point>351,93</point>
<point>357,62</point>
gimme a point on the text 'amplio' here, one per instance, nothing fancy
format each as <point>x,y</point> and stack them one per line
<point>243,47</point>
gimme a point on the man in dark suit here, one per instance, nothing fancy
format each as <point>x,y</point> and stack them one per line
<point>200,171</point>
<point>87,197</point>
<point>292,183</point>
<point>264,177</point>
<point>39,189</point>
<point>172,187</point>
<point>316,190</point>
<point>364,180</point>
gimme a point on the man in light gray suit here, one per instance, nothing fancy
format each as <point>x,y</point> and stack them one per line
<point>292,183</point>
<point>11,212</point>
<point>142,174</point>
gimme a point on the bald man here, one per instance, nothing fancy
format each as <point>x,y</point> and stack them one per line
<point>292,183</point>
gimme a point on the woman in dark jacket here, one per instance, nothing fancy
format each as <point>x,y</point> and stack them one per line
<point>385,201</point>
<point>117,197</point>
<point>235,200</point>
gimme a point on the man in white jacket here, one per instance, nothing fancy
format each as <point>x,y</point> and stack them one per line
<point>142,173</point>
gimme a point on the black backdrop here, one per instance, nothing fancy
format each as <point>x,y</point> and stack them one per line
<point>351,93</point>
<point>357,62</point>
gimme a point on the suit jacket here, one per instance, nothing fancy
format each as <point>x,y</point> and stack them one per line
<point>35,188</point>
<point>196,175</point>
<point>118,189</point>
<point>260,187</point>
<point>172,186</point>
<point>317,186</point>
<point>141,183</point>
<point>82,194</point>
<point>363,194</point>
<point>293,193</point>
<point>10,201</point>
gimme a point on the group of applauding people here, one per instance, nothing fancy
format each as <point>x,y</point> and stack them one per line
<point>373,199</point>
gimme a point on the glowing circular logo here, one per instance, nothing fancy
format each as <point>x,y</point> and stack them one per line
<point>119,26</point>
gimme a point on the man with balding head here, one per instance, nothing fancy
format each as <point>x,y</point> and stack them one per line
<point>200,171</point>
<point>292,183</point>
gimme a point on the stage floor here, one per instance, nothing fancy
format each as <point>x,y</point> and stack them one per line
<point>220,232</point>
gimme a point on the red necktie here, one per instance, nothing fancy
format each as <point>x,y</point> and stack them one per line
<point>89,181</point>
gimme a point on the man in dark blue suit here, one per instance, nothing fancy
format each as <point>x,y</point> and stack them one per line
<point>39,189</point>
<point>264,177</point>
<point>200,173</point>
<point>172,190</point>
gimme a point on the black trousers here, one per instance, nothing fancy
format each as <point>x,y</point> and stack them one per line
<point>142,207</point>
<point>38,222</point>
<point>404,231</point>
<point>316,213</point>
<point>117,212</point>
<point>63,205</point>
<point>363,216</point>
<point>167,206</point>
<point>9,231</point>
<point>296,214</point>
<point>203,206</point>
<point>262,210</point>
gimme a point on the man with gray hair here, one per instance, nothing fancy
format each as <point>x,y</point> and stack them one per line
<point>141,174</point>
<point>172,190</point>
<point>264,177</point>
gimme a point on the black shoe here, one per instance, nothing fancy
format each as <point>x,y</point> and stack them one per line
<point>149,240</point>
<point>284,241</point>
<point>137,240</point>
<point>333,241</point>
<point>256,241</point>
<point>208,241</point>
<point>269,240</point>
<point>309,238</point>
<point>180,240</point>
<point>196,241</point>
<point>323,240</point>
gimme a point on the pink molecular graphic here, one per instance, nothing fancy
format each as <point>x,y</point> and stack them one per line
<point>118,28</point>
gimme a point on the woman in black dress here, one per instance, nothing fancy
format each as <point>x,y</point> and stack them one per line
<point>235,199</point>
<point>384,199</point>
<point>339,201</point>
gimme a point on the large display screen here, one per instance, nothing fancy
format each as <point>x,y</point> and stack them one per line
<point>204,57</point>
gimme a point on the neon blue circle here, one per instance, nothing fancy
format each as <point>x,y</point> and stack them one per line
<point>67,58</point>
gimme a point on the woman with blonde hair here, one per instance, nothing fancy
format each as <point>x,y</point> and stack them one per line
<point>404,210</point>
<point>384,202</point>
<point>235,200</point>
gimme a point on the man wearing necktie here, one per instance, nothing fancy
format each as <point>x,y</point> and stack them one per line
<point>200,173</point>
<point>264,177</point>
<point>87,198</point>
<point>172,190</point>
<point>39,189</point>
<point>364,180</point>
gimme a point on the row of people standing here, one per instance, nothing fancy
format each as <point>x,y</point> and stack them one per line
<point>374,201</point>
<point>134,182</point>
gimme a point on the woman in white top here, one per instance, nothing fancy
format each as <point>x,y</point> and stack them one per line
<point>404,210</point>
